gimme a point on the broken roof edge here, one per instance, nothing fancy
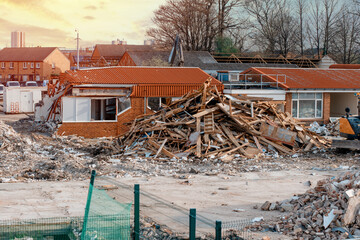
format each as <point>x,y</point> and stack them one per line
<point>267,76</point>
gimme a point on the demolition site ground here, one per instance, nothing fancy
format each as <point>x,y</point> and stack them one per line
<point>44,175</point>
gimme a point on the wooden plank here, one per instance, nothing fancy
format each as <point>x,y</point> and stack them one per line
<point>163,150</point>
<point>257,143</point>
<point>277,146</point>
<point>205,112</point>
<point>161,147</point>
<point>235,149</point>
<point>233,140</point>
<point>198,143</point>
<point>352,210</point>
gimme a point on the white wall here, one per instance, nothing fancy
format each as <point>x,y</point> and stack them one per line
<point>340,101</point>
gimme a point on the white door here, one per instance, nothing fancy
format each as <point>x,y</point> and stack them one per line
<point>26,102</point>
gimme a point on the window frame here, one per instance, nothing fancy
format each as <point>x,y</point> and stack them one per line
<point>32,65</point>
<point>295,97</point>
<point>3,65</point>
<point>11,65</point>
<point>117,105</point>
<point>37,65</point>
<point>25,65</point>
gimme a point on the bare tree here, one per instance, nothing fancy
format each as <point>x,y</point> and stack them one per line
<point>265,14</point>
<point>314,28</point>
<point>197,22</point>
<point>301,8</point>
<point>345,45</point>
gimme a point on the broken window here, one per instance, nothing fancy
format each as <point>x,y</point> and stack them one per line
<point>103,109</point>
<point>154,103</point>
<point>307,105</point>
<point>124,103</point>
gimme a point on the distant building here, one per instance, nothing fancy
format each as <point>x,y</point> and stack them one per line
<point>17,39</point>
<point>31,64</point>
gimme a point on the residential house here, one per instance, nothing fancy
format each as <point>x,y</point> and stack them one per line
<point>309,94</point>
<point>31,64</point>
<point>110,54</point>
<point>202,59</point>
<point>98,102</point>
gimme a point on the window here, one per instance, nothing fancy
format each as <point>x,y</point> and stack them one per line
<point>124,103</point>
<point>25,65</point>
<point>37,65</point>
<point>233,77</point>
<point>307,105</point>
<point>154,103</point>
<point>53,65</point>
<point>3,65</point>
<point>32,65</point>
<point>37,78</point>
<point>11,65</point>
<point>103,109</point>
<point>0,76</point>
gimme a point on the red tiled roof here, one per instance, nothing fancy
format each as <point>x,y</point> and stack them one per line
<point>312,78</point>
<point>27,54</point>
<point>117,51</point>
<point>345,66</point>
<point>148,81</point>
<point>138,75</point>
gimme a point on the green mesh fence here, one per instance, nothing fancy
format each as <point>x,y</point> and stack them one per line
<point>61,228</point>
<point>236,230</point>
<point>107,219</point>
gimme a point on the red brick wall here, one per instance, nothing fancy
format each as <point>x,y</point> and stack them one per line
<point>326,109</point>
<point>105,129</point>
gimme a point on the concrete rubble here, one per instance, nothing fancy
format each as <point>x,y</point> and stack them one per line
<point>330,210</point>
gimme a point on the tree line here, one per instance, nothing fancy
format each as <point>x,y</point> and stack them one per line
<point>300,27</point>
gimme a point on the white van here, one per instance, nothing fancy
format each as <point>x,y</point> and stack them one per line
<point>12,84</point>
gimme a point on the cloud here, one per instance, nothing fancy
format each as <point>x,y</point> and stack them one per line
<point>37,6</point>
<point>34,36</point>
<point>89,17</point>
<point>90,7</point>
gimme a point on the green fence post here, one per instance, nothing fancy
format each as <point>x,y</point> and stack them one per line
<point>218,230</point>
<point>137,211</point>
<point>192,220</point>
<point>87,208</point>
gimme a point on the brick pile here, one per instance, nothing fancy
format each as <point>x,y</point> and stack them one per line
<point>327,211</point>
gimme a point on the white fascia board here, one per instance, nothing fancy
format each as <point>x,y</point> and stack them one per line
<point>323,90</point>
<point>254,91</point>
<point>103,85</point>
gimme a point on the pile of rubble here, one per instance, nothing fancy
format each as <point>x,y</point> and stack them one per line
<point>327,211</point>
<point>206,123</point>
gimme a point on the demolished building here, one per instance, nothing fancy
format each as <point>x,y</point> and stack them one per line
<point>97,102</point>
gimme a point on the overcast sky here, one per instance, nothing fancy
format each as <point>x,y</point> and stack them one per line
<point>53,22</point>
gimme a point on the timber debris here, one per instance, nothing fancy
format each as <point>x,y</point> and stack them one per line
<point>206,123</point>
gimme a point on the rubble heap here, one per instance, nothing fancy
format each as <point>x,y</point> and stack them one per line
<point>328,211</point>
<point>206,123</point>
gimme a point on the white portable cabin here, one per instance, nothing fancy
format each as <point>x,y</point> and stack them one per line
<point>21,99</point>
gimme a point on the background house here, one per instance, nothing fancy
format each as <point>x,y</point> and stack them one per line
<point>99,101</point>
<point>309,94</point>
<point>31,64</point>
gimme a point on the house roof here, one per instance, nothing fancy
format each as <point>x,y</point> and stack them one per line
<point>148,81</point>
<point>201,59</point>
<point>312,78</point>
<point>191,58</point>
<point>37,54</point>
<point>138,75</point>
<point>117,51</point>
<point>345,66</point>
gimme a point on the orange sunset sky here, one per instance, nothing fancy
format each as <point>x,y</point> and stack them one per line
<point>53,22</point>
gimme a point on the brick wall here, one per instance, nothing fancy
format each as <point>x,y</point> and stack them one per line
<point>288,99</point>
<point>326,107</point>
<point>105,129</point>
<point>62,64</point>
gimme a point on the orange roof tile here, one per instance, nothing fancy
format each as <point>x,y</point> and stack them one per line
<point>148,81</point>
<point>345,66</point>
<point>312,78</point>
<point>28,54</point>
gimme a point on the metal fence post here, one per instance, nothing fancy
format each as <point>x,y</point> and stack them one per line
<point>88,202</point>
<point>192,220</point>
<point>218,230</point>
<point>137,211</point>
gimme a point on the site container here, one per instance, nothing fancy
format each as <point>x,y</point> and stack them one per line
<point>21,99</point>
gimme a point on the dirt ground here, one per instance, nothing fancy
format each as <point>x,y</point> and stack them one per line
<point>31,188</point>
